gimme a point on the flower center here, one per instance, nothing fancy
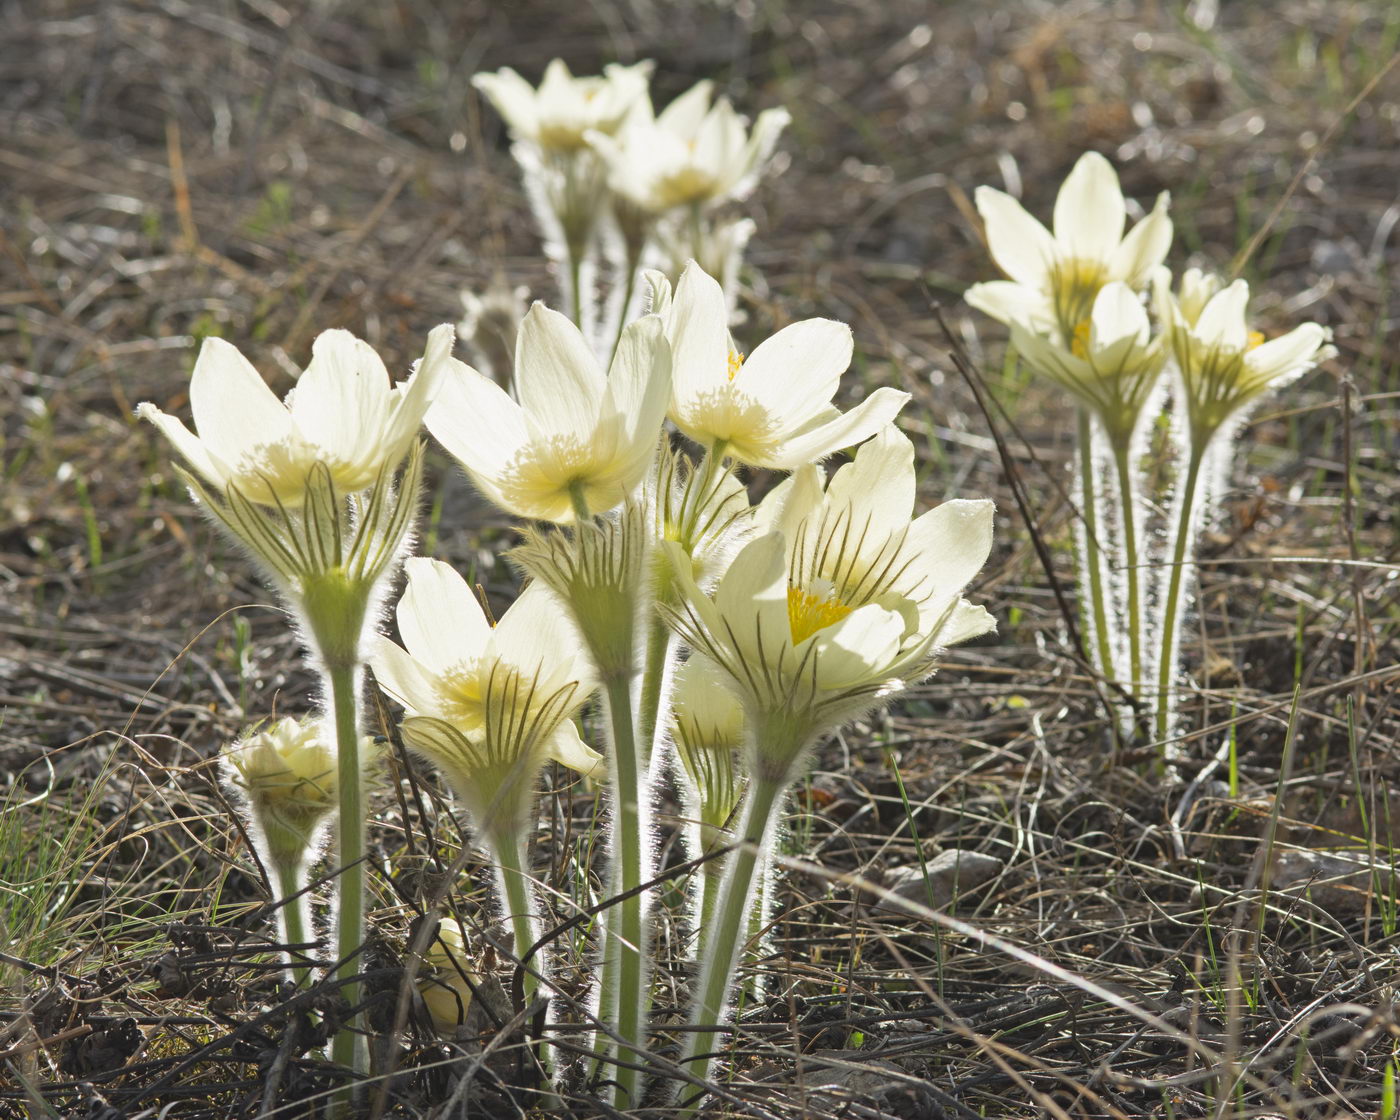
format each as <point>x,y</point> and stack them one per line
<point>1256,338</point>
<point>810,611</point>
<point>1074,282</point>
<point>1079,343</point>
<point>460,700</point>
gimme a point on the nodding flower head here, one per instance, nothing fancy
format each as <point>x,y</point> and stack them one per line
<point>449,978</point>
<point>286,774</point>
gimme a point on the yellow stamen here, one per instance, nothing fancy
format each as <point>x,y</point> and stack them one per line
<point>1079,344</point>
<point>808,613</point>
<point>736,362</point>
<point>1256,338</point>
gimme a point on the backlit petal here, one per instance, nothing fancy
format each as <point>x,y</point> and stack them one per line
<point>232,405</point>
<point>1021,246</point>
<point>439,617</point>
<point>557,377</point>
<point>1089,213</point>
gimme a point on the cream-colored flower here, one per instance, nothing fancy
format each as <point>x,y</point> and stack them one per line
<point>287,772</point>
<point>707,725</point>
<point>559,114</point>
<point>1111,365</point>
<point>772,409</point>
<point>843,601</point>
<point>448,979</point>
<point>1225,367</point>
<point>1054,278</point>
<point>488,705</point>
<point>342,415</point>
<point>575,435</point>
<point>692,154</point>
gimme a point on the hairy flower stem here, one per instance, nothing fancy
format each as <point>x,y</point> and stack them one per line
<point>295,913</point>
<point>724,940</point>
<point>631,980</point>
<point>657,671</point>
<point>509,850</point>
<point>633,258</point>
<point>1092,560</point>
<point>1128,499</point>
<point>1181,560</point>
<point>349,1047</point>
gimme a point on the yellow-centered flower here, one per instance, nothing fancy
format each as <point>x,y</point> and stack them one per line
<point>1226,367</point>
<point>692,154</point>
<point>772,408</point>
<point>343,415</point>
<point>564,109</point>
<point>488,705</point>
<point>575,435</point>
<point>1055,278</point>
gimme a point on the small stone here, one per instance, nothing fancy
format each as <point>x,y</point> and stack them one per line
<point>942,879</point>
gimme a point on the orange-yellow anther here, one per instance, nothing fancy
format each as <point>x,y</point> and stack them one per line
<point>1079,344</point>
<point>1256,338</point>
<point>736,362</point>
<point>808,613</point>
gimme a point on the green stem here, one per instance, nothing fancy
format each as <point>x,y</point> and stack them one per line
<point>575,285</point>
<point>1167,667</point>
<point>1092,561</point>
<point>724,939</point>
<point>625,966</point>
<point>579,502</point>
<point>656,674</point>
<point>1126,497</point>
<point>294,913</point>
<point>349,1048</point>
<point>513,880</point>
<point>634,257</point>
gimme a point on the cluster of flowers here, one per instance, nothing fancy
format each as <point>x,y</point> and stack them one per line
<point>722,639</point>
<point>613,182</point>
<point>1077,304</point>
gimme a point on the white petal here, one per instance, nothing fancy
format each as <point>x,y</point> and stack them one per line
<point>476,421</point>
<point>639,381</point>
<point>878,483</point>
<point>513,97</point>
<point>536,636</point>
<point>784,507</point>
<point>952,542</point>
<point>1021,246</point>
<point>752,600</point>
<point>1009,302</point>
<point>189,446</point>
<point>440,619</point>
<point>699,332</point>
<point>963,622</point>
<point>843,430</point>
<point>566,748</point>
<point>1089,213</point>
<point>1222,322</point>
<point>558,379</point>
<point>858,648</point>
<point>403,678</point>
<point>684,114</point>
<point>341,402</point>
<point>412,398</point>
<point>1291,353</point>
<point>1118,319</point>
<point>794,374</point>
<point>1145,248</point>
<point>233,408</point>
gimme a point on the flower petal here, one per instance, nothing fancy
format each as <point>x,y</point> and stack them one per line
<point>963,622</point>
<point>441,622</point>
<point>566,748</point>
<point>952,542</point>
<point>189,445</point>
<point>1009,302</point>
<point>341,402</point>
<point>403,678</point>
<point>476,421</point>
<point>1145,248</point>
<point>1089,211</point>
<point>699,333</point>
<point>1222,321</point>
<point>559,381</point>
<point>859,648</point>
<point>684,114</point>
<point>840,431</point>
<point>413,396</point>
<point>1284,357</point>
<point>536,637</point>
<point>639,380</point>
<point>794,373</point>
<point>879,482</point>
<point>233,408</point>
<point>1021,246</point>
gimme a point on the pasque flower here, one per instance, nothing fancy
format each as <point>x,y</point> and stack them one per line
<point>1226,367</point>
<point>577,438</point>
<point>1112,363</point>
<point>1054,278</point>
<point>773,408</point>
<point>487,704</point>
<point>343,415</point>
<point>842,602</point>
<point>559,114</point>
<point>448,979</point>
<point>691,154</point>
